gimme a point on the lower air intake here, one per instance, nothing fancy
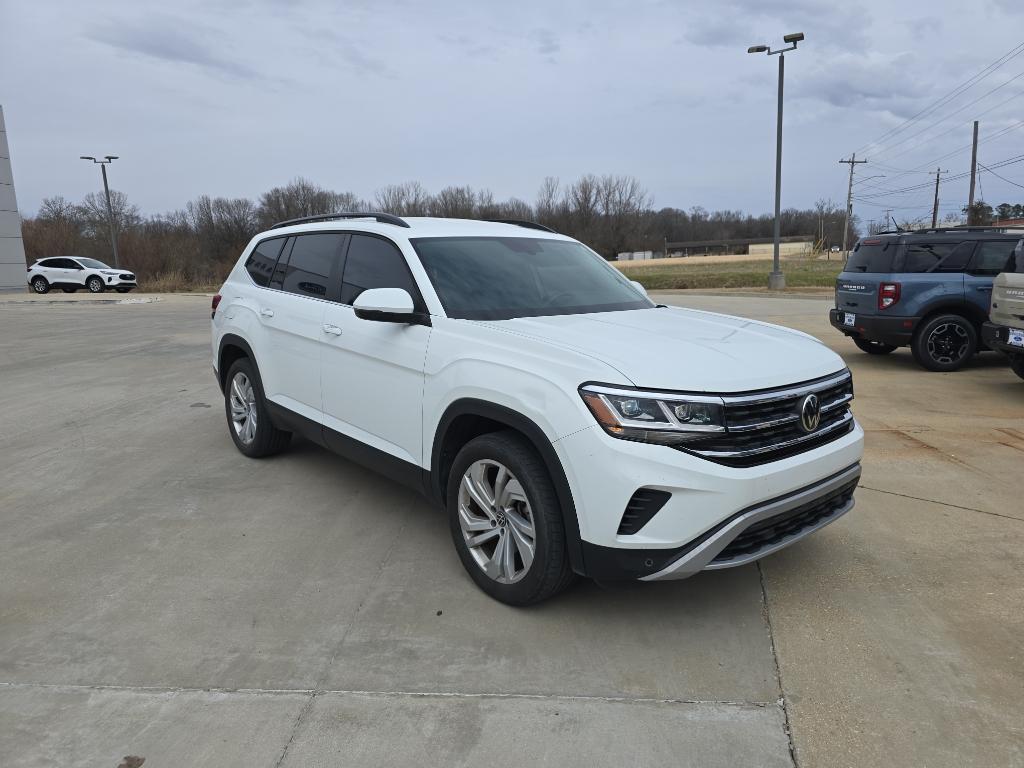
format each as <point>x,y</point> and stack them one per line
<point>642,506</point>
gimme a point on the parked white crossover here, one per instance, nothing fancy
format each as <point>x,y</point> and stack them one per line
<point>69,273</point>
<point>567,423</point>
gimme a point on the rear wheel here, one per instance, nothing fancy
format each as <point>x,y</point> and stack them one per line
<point>69,290</point>
<point>1017,364</point>
<point>945,343</point>
<point>248,418</point>
<point>122,290</point>
<point>873,347</point>
<point>95,285</point>
<point>506,521</point>
<point>39,284</point>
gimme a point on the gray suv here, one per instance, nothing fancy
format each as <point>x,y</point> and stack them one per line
<point>928,289</point>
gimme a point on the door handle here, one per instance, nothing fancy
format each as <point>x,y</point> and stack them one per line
<point>267,312</point>
<point>983,287</point>
<point>332,329</point>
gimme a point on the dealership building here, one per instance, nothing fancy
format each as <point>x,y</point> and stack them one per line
<point>12,249</point>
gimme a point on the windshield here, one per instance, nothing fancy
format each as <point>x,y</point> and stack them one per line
<point>498,278</point>
<point>92,264</point>
<point>872,256</point>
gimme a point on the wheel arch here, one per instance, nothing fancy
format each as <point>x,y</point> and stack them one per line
<point>963,308</point>
<point>231,348</point>
<point>468,418</point>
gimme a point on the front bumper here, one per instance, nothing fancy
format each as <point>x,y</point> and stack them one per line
<point>709,504</point>
<point>895,331</point>
<point>995,337</point>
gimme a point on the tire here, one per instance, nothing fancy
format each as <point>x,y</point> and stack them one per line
<point>532,500</point>
<point>95,284</point>
<point>874,347</point>
<point>39,284</point>
<point>245,405</point>
<point>69,290</point>
<point>945,343</point>
<point>1017,364</point>
<point>122,290</point>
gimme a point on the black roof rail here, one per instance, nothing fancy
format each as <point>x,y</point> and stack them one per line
<point>521,223</point>
<point>941,230</point>
<point>383,218</point>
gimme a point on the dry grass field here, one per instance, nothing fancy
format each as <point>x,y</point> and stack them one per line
<point>729,271</point>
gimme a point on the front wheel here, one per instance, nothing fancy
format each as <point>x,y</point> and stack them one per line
<point>873,347</point>
<point>122,290</point>
<point>506,521</point>
<point>69,290</point>
<point>945,343</point>
<point>95,285</point>
<point>1017,364</point>
<point>248,418</point>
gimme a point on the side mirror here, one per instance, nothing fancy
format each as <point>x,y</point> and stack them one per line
<point>639,286</point>
<point>388,305</point>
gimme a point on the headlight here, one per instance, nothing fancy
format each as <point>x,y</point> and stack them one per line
<point>654,417</point>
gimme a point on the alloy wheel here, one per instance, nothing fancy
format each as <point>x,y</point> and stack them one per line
<point>243,408</point>
<point>95,285</point>
<point>947,343</point>
<point>497,521</point>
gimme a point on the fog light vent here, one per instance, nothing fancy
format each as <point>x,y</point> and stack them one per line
<point>643,505</point>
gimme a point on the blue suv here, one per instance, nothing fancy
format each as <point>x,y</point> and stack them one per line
<point>929,289</point>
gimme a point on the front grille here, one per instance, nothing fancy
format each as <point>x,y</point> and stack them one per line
<point>126,276</point>
<point>642,506</point>
<point>765,533</point>
<point>766,426</point>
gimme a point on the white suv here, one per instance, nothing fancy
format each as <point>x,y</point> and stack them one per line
<point>69,273</point>
<point>567,423</point>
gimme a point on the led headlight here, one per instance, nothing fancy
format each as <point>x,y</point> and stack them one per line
<point>654,417</point>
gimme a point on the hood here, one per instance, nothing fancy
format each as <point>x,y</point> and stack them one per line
<point>686,349</point>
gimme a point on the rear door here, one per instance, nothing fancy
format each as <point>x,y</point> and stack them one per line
<point>869,264</point>
<point>931,271</point>
<point>291,313</point>
<point>990,258</point>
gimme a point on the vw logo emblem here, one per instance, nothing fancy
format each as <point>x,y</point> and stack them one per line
<point>810,413</point>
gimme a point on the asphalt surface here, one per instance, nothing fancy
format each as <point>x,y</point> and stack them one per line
<point>162,596</point>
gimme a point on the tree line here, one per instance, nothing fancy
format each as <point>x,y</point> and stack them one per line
<point>199,243</point>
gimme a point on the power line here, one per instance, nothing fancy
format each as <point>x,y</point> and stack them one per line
<point>942,101</point>
<point>1009,161</point>
<point>1000,177</point>
<point>956,112</point>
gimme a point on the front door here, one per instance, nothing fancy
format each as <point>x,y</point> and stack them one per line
<point>990,258</point>
<point>372,371</point>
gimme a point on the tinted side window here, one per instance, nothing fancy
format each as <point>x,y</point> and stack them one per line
<point>993,257</point>
<point>375,263</point>
<point>261,261</point>
<point>958,260</point>
<point>310,263</point>
<point>277,279</point>
<point>923,257</point>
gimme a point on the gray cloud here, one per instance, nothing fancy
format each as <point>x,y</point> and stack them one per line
<point>170,40</point>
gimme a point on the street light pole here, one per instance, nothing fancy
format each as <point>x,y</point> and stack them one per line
<point>110,209</point>
<point>777,280</point>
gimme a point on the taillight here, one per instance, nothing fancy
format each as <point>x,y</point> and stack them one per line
<point>213,308</point>
<point>888,294</point>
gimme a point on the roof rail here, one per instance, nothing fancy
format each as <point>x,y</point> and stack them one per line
<point>956,229</point>
<point>521,223</point>
<point>383,218</point>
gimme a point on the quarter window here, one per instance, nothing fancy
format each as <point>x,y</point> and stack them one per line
<point>310,263</point>
<point>958,259</point>
<point>261,261</point>
<point>994,257</point>
<point>375,263</point>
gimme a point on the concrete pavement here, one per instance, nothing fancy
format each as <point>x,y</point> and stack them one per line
<point>163,596</point>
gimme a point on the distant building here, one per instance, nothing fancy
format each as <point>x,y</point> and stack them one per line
<point>798,245</point>
<point>635,256</point>
<point>12,249</point>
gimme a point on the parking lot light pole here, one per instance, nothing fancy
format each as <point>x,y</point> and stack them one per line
<point>777,280</point>
<point>107,160</point>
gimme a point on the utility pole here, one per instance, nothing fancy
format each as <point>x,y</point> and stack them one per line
<point>935,209</point>
<point>853,163</point>
<point>974,170</point>
<point>107,160</point>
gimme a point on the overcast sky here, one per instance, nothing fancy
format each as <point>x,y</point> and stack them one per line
<point>230,98</point>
